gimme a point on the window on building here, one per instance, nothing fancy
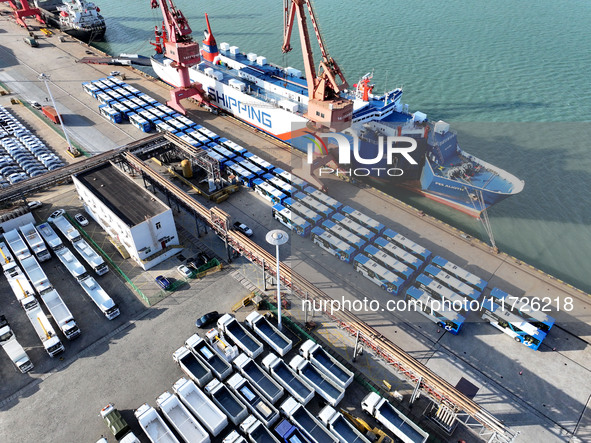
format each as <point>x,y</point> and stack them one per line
<point>158,225</point>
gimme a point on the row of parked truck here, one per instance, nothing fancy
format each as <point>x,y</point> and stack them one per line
<point>224,385</point>
<point>33,282</point>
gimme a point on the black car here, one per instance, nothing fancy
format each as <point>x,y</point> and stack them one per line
<point>203,257</point>
<point>194,262</point>
<point>207,319</point>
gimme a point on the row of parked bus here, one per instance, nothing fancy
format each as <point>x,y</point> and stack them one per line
<point>387,258</point>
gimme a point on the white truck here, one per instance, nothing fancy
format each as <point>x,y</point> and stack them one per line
<point>100,297</point>
<point>321,383</point>
<point>392,419</point>
<point>45,331</point>
<point>306,422</point>
<point>49,235</point>
<point>181,419</point>
<point>65,227</point>
<point>234,437</point>
<point>153,425</point>
<point>256,431</point>
<point>340,426</point>
<point>192,366</point>
<point>269,333</point>
<point>7,258</point>
<point>326,363</point>
<point>218,366</point>
<point>56,306</point>
<point>226,401</point>
<point>259,378</point>
<point>35,242</point>
<point>21,287</point>
<point>13,348</point>
<point>201,406</point>
<point>243,339</point>
<point>287,378</point>
<point>258,405</point>
<point>17,245</point>
<point>69,260</point>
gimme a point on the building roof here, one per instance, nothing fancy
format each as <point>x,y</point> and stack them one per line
<point>125,198</point>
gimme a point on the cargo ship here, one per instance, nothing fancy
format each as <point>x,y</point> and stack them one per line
<point>274,99</point>
<point>79,18</point>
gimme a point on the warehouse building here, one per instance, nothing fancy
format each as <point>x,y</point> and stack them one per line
<point>131,215</point>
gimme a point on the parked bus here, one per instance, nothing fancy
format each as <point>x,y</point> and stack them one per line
<point>327,200</point>
<point>261,163</point>
<point>353,226</point>
<point>281,185</point>
<point>368,222</point>
<point>293,180</point>
<point>292,220</point>
<point>333,245</point>
<point>378,274</point>
<point>498,310</point>
<point>451,282</point>
<point>243,175</point>
<point>389,262</point>
<point>406,244</point>
<point>268,192</point>
<point>440,313</point>
<point>110,114</point>
<point>400,254</point>
<point>460,273</point>
<point>303,211</point>
<point>313,204</point>
<point>343,234</point>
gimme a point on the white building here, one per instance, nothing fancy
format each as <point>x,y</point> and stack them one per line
<point>129,213</point>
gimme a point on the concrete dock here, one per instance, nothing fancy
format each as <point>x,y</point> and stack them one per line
<point>544,395</point>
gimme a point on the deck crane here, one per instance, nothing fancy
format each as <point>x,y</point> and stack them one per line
<point>325,106</point>
<point>175,42</point>
<point>24,11</point>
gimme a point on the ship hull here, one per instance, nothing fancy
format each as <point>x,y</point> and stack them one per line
<point>85,35</point>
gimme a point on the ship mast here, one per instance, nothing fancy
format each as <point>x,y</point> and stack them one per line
<point>178,45</point>
<point>325,106</point>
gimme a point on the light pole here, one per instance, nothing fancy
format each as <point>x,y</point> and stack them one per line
<point>45,79</point>
<point>277,237</point>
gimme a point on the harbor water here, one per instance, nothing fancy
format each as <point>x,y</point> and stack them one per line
<point>512,79</point>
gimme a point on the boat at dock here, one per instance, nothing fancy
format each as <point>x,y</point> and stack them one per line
<point>79,18</point>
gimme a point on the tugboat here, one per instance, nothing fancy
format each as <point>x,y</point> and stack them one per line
<point>79,18</point>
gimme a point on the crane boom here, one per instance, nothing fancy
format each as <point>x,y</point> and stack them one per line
<point>325,106</point>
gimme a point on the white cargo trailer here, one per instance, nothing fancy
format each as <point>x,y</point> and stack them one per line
<point>153,425</point>
<point>181,419</point>
<point>269,333</point>
<point>322,384</point>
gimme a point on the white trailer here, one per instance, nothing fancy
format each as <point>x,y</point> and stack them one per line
<point>50,236</point>
<point>181,419</point>
<point>17,245</point>
<point>21,287</point>
<point>322,384</point>
<point>340,426</point>
<point>308,424</point>
<point>258,405</point>
<point>240,336</point>
<point>392,419</point>
<point>192,366</point>
<point>7,258</point>
<point>234,437</point>
<point>13,348</point>
<point>91,257</point>
<point>99,296</point>
<point>287,378</point>
<point>69,260</point>
<point>220,367</point>
<point>326,363</point>
<point>153,425</point>
<point>45,332</point>
<point>35,242</point>
<point>259,378</point>
<point>56,306</point>
<point>256,431</point>
<point>269,333</point>
<point>201,406</point>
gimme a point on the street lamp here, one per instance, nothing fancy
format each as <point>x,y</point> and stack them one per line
<point>277,237</point>
<point>45,79</point>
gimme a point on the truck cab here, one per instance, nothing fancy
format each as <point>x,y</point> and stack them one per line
<point>117,425</point>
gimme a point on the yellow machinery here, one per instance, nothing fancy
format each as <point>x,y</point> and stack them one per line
<point>374,434</point>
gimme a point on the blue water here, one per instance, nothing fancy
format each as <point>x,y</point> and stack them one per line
<point>511,78</point>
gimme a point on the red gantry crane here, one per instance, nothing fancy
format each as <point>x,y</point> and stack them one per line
<point>175,42</point>
<point>24,11</point>
<point>325,106</point>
